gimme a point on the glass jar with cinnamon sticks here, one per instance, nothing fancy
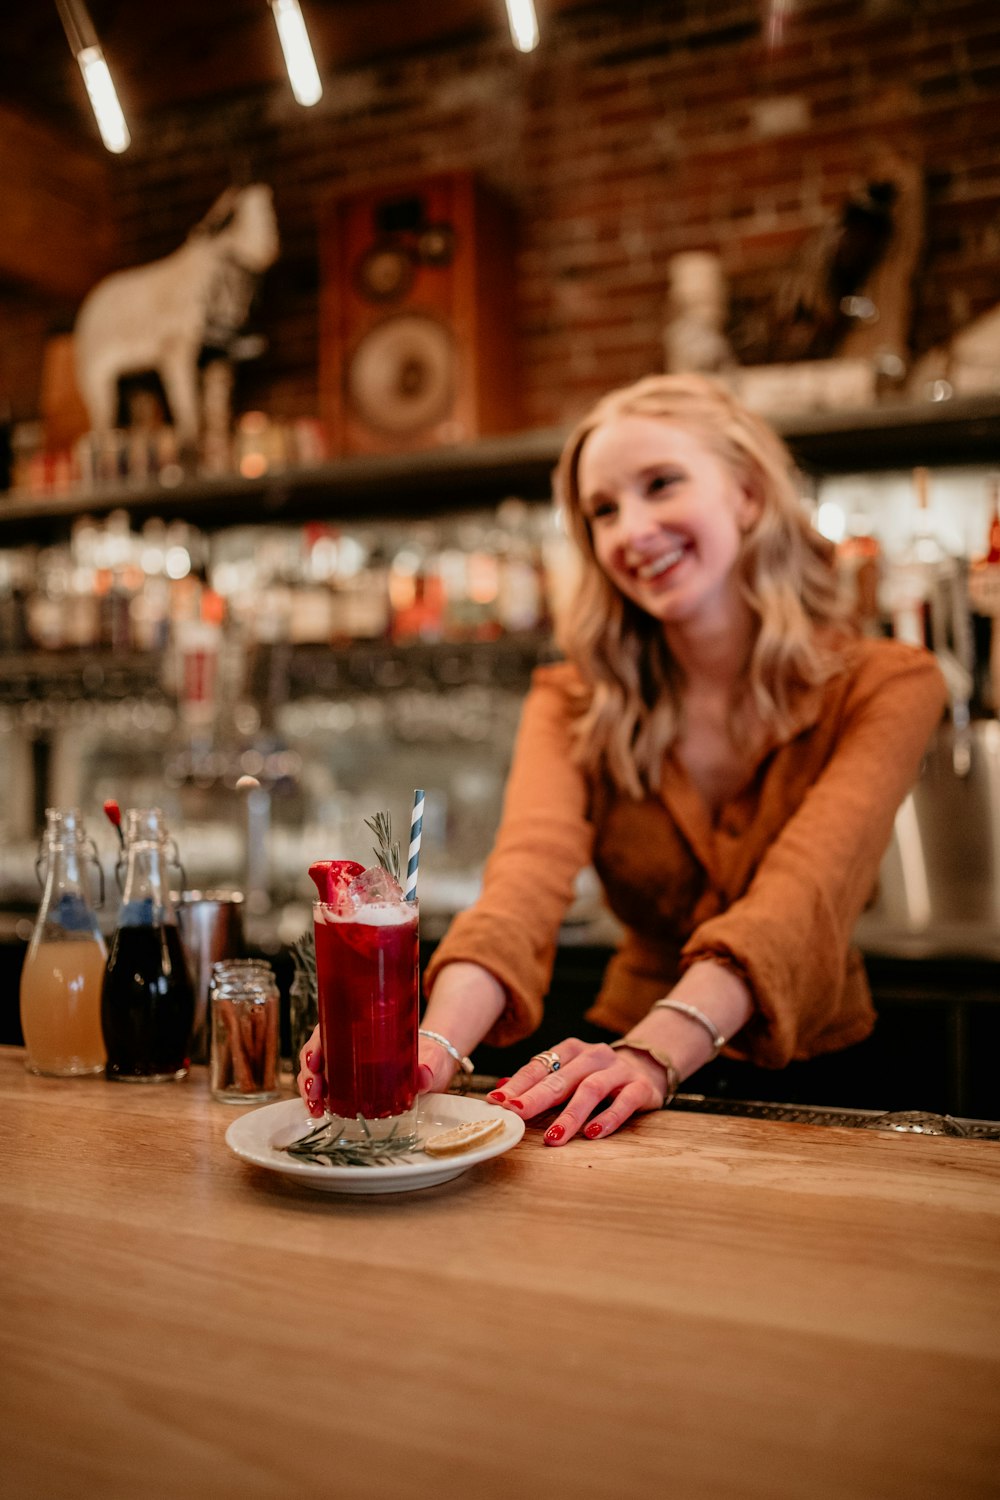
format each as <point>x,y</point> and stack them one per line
<point>245,1009</point>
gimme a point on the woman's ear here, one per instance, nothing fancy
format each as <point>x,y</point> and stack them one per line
<point>748,508</point>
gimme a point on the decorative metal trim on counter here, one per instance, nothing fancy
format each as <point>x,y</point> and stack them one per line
<point>928,1123</point>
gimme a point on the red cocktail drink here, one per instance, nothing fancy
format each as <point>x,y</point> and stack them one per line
<point>366,972</point>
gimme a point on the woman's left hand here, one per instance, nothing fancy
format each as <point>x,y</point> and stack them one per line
<point>589,1073</point>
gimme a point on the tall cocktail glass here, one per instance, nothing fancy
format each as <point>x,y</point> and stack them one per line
<point>367,963</point>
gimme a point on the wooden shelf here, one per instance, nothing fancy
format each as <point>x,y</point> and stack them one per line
<point>965,430</point>
<point>416,484</point>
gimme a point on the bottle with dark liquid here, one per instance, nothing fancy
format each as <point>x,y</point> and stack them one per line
<point>147,1002</point>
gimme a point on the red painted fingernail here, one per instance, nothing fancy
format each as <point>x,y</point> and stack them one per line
<point>554,1133</point>
<point>497,1097</point>
<point>310,1061</point>
<point>502,1081</point>
<point>313,1088</point>
<point>516,1103</point>
<point>592,1131</point>
<point>315,1106</point>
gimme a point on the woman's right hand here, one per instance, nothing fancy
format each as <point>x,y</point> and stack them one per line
<point>435,1067</point>
<point>312,1077</point>
<point>435,1070</point>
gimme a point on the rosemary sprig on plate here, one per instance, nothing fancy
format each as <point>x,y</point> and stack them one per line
<point>324,1147</point>
<point>387,852</point>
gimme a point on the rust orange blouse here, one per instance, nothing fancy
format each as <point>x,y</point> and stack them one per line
<point>773,886</point>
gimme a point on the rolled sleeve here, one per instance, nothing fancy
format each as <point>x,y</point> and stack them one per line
<point>789,934</point>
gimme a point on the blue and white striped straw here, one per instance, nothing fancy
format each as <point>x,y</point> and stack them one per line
<point>413,857</point>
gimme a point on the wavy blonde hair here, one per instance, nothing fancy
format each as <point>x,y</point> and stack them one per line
<point>631,713</point>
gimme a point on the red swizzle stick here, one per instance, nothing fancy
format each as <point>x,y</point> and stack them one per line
<point>114,815</point>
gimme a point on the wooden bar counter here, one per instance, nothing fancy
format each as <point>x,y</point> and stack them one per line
<point>704,1306</point>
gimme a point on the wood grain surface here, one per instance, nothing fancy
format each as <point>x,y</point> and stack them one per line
<point>701,1306</point>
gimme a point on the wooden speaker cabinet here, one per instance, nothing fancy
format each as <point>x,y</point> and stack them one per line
<point>417,317</point>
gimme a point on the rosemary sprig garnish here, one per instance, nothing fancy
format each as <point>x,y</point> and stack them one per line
<point>387,852</point>
<point>324,1148</point>
<point>304,958</point>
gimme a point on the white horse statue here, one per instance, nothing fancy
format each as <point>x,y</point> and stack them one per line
<point>159,316</point>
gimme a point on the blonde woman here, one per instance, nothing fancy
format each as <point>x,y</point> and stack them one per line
<point>718,744</point>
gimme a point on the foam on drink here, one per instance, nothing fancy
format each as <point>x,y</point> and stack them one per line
<point>374,914</point>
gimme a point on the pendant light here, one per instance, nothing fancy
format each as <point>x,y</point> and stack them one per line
<point>97,78</point>
<point>523,24</point>
<point>299,60</point>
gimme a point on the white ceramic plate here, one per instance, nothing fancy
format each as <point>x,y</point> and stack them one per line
<point>253,1135</point>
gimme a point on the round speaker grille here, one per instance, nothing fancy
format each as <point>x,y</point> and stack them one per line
<point>401,377</point>
<point>384,273</point>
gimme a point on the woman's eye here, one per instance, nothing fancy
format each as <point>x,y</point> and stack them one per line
<point>660,482</point>
<point>602,510</point>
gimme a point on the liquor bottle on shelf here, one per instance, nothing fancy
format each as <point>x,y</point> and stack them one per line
<point>984,591</point>
<point>859,562</point>
<point>362,610</point>
<point>521,593</point>
<point>16,568</point>
<point>993,540</point>
<point>416,589</point>
<point>912,573</point>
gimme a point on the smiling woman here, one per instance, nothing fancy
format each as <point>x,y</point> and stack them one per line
<point>718,744</point>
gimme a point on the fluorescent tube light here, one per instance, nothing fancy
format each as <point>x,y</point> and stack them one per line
<point>299,60</point>
<point>104,100</point>
<point>86,49</point>
<point>523,24</point>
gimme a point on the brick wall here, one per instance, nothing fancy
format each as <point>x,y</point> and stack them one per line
<point>636,130</point>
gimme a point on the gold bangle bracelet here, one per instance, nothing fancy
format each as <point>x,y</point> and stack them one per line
<point>665,1062</point>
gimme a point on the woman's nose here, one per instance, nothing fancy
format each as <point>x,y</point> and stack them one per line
<point>636,527</point>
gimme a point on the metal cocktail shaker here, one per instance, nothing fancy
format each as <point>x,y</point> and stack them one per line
<point>211,925</point>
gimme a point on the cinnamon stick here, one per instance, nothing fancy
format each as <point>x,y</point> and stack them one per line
<point>241,1068</point>
<point>270,1073</point>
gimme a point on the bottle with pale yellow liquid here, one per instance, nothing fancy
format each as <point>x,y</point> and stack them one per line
<point>64,966</point>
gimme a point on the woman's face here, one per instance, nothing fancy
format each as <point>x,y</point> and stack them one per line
<point>666,516</point>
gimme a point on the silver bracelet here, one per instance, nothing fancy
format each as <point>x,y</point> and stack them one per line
<point>693,1014</point>
<point>465,1063</point>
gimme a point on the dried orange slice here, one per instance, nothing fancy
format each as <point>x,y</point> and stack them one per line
<point>462,1137</point>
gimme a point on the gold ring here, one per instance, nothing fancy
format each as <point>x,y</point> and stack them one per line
<point>550,1059</point>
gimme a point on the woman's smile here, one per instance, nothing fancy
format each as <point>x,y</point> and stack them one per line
<point>656,567</point>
